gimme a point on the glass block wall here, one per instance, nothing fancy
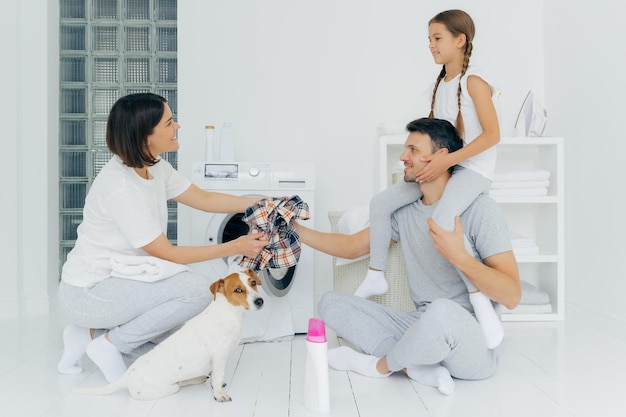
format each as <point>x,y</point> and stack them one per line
<point>108,48</point>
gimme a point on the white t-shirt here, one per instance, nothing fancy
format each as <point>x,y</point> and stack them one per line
<point>446,107</point>
<point>122,213</point>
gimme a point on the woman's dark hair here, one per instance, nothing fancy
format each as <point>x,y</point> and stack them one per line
<point>131,119</point>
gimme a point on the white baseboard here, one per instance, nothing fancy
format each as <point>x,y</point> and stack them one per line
<point>13,306</point>
<point>9,306</point>
<point>610,325</point>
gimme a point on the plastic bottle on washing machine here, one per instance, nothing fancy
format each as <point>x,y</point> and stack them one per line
<point>316,386</point>
<point>227,143</point>
<point>209,145</point>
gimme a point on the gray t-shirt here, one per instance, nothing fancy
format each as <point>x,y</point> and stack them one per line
<point>429,274</point>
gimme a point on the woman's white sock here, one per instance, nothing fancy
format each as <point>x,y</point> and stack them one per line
<point>345,359</point>
<point>75,341</point>
<point>374,283</point>
<point>434,376</point>
<point>104,354</point>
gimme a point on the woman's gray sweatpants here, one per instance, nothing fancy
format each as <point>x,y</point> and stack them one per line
<point>138,315</point>
<point>442,332</point>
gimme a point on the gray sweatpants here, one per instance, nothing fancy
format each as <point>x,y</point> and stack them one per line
<point>138,315</point>
<point>463,188</point>
<point>442,332</point>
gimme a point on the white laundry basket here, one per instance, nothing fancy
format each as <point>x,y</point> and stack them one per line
<point>346,278</point>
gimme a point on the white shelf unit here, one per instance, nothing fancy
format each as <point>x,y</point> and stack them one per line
<point>539,218</point>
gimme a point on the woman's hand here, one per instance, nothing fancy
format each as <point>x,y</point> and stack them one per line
<point>438,163</point>
<point>250,245</point>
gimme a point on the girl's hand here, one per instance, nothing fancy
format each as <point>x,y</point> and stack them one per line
<point>250,245</point>
<point>438,163</point>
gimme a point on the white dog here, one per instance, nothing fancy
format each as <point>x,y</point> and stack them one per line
<point>199,348</point>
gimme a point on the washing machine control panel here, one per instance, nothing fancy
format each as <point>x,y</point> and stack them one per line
<point>229,175</point>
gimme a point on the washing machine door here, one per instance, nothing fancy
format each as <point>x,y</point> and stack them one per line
<point>276,281</point>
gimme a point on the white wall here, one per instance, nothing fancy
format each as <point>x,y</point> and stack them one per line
<point>310,81</point>
<point>29,114</point>
<point>585,94</point>
<point>9,300</point>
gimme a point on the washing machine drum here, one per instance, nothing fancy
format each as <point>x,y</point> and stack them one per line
<point>275,281</point>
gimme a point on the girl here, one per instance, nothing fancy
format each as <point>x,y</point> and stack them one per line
<point>463,96</point>
<point>116,319</point>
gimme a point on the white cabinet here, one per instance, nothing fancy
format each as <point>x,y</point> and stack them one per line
<point>536,216</point>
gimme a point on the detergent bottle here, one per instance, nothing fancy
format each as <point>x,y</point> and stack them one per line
<point>316,387</point>
<point>209,145</point>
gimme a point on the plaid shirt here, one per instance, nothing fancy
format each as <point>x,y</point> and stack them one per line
<point>273,217</point>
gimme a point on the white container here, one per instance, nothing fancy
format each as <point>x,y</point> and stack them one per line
<point>209,143</point>
<point>316,387</point>
<point>227,143</point>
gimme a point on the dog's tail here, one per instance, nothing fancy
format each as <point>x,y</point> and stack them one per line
<point>105,390</point>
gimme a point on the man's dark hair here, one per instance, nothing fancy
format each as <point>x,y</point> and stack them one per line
<point>441,132</point>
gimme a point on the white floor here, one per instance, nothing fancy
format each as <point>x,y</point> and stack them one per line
<point>547,369</point>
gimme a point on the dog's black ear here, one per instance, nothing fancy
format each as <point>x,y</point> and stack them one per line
<point>217,286</point>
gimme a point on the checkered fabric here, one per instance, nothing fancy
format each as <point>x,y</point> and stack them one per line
<point>273,217</point>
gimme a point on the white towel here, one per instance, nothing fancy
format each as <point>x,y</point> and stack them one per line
<point>144,268</point>
<point>519,192</point>
<point>532,295</point>
<point>520,184</point>
<point>526,251</point>
<point>533,301</point>
<point>523,243</point>
<point>352,221</point>
<point>392,128</point>
<point>530,175</point>
<point>529,309</point>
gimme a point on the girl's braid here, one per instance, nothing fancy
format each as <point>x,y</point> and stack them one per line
<point>441,76</point>
<point>459,118</point>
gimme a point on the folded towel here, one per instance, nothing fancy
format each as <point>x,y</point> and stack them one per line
<point>530,175</point>
<point>529,309</point>
<point>520,184</point>
<point>520,241</point>
<point>519,192</point>
<point>352,221</point>
<point>532,295</point>
<point>523,243</point>
<point>526,251</point>
<point>392,128</point>
<point>144,268</point>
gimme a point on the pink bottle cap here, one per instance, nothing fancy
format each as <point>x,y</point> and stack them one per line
<point>317,331</point>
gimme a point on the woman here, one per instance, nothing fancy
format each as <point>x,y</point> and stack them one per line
<point>116,319</point>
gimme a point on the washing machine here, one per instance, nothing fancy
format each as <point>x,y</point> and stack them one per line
<point>288,292</point>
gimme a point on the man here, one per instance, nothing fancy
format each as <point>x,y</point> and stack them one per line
<point>442,339</point>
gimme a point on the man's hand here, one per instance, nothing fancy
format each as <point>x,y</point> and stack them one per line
<point>451,245</point>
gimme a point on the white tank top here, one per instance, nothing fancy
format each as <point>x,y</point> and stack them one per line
<point>446,107</point>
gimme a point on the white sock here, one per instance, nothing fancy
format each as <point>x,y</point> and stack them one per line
<point>104,354</point>
<point>434,376</point>
<point>373,284</point>
<point>345,359</point>
<point>488,319</point>
<point>75,341</point>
